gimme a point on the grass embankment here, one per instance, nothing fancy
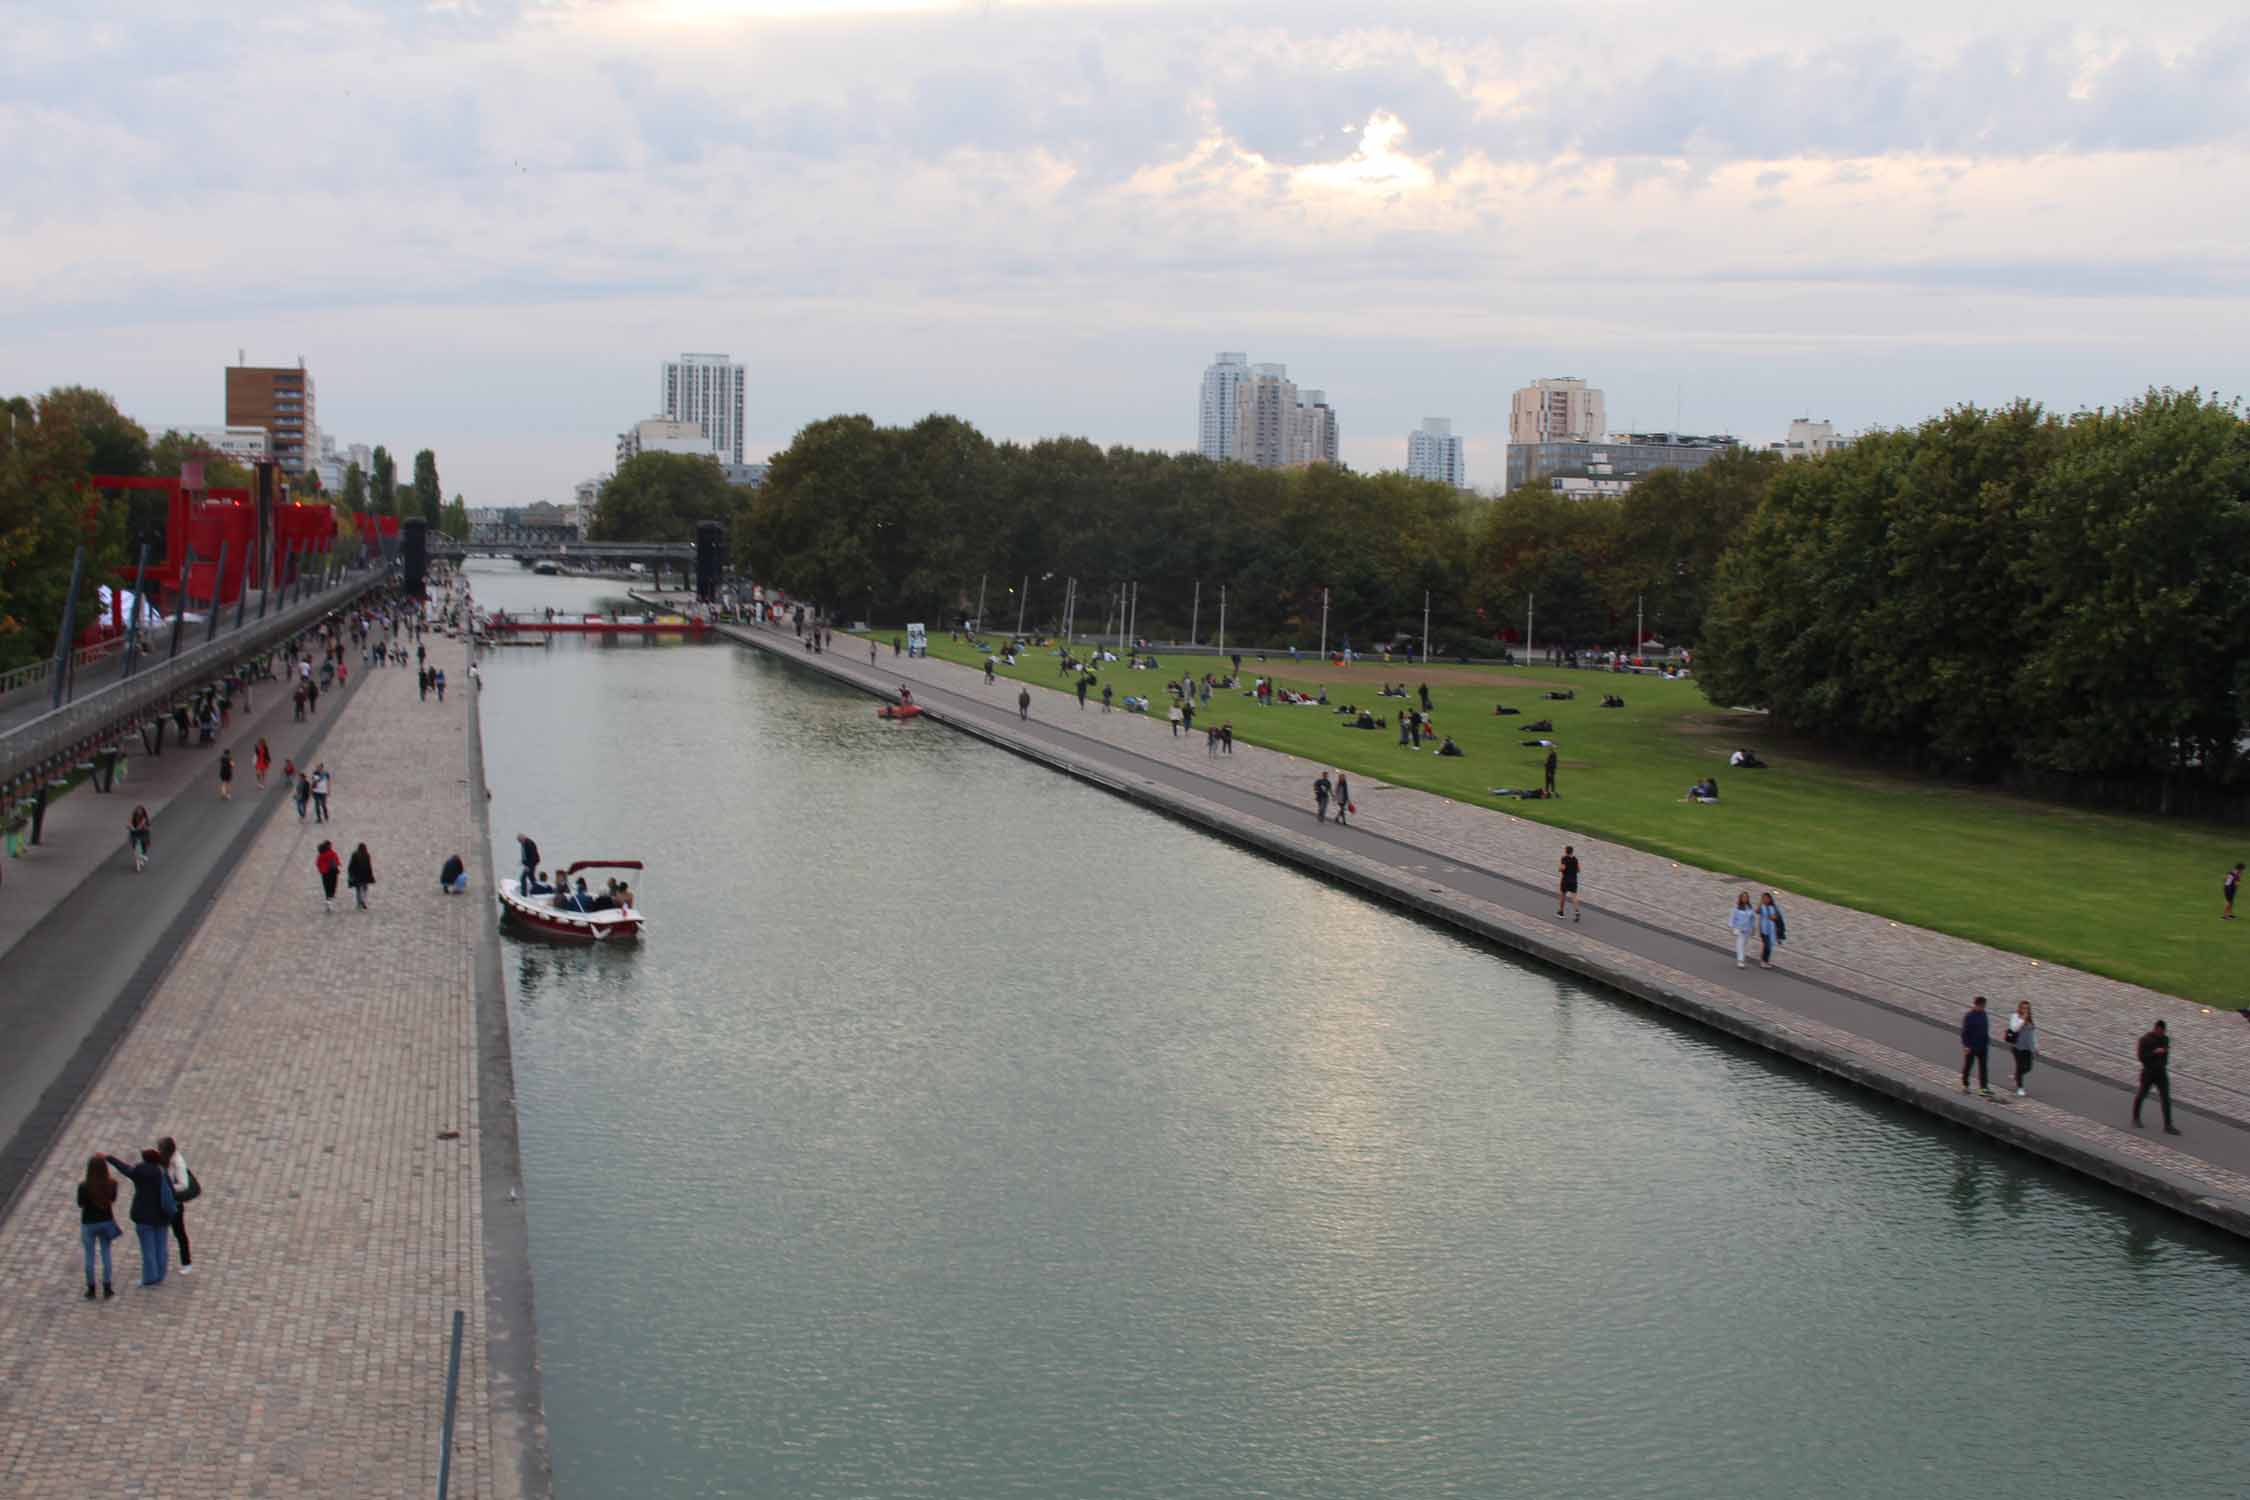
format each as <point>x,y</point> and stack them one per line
<point>2135,898</point>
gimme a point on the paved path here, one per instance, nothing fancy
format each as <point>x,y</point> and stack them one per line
<point>322,1073</point>
<point>1860,986</point>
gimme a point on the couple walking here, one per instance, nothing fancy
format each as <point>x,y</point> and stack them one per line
<point>1339,791</point>
<point>1976,1045</point>
<point>360,872</point>
<point>1763,921</point>
<point>162,1188</point>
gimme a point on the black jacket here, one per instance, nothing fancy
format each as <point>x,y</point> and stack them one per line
<point>361,870</point>
<point>147,1178</point>
<point>2155,1051</point>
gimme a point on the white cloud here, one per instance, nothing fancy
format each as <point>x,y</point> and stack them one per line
<point>484,225</point>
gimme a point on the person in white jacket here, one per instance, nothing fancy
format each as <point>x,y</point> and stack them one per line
<point>184,1187</point>
<point>1744,920</point>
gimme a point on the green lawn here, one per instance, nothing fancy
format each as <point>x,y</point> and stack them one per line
<point>2132,897</point>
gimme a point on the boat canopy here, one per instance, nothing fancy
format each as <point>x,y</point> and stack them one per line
<point>602,864</point>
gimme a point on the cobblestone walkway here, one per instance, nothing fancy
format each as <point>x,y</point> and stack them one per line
<point>320,1072</point>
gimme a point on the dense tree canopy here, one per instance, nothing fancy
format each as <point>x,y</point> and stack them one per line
<point>429,497</point>
<point>659,497</point>
<point>2001,590</point>
<point>47,511</point>
<point>383,492</point>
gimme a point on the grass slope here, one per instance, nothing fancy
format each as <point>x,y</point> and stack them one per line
<point>2134,898</point>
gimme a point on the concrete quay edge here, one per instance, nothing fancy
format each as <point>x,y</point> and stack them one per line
<point>1897,1081</point>
<point>515,1391</point>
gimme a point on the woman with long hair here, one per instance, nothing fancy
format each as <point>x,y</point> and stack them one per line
<point>261,759</point>
<point>136,835</point>
<point>1744,920</point>
<point>97,1220</point>
<point>2023,1040</point>
<point>184,1188</point>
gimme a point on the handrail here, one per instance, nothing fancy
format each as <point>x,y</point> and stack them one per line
<point>16,678</point>
<point>113,709</point>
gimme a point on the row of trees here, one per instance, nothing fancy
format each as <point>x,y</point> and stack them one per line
<point>906,521</point>
<point>50,447</point>
<point>2006,592</point>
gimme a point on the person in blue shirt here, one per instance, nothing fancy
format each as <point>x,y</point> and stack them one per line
<point>1976,1046</point>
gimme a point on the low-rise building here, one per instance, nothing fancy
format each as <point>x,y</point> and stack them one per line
<point>1809,439</point>
<point>243,444</point>
<point>662,435</point>
<point>1625,456</point>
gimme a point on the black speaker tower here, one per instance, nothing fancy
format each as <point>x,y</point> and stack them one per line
<point>710,559</point>
<point>417,557</point>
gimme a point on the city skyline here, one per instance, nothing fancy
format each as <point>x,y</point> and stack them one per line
<point>1039,217</point>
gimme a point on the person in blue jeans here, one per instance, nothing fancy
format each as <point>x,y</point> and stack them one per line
<point>152,1221</point>
<point>1976,1046</point>
<point>97,1221</point>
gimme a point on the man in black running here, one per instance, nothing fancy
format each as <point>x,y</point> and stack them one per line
<point>2156,1073</point>
<point>1568,895</point>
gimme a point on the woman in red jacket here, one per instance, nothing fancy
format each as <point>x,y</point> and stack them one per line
<point>329,867</point>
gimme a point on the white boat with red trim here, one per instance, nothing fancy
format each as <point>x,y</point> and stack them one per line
<point>565,916</point>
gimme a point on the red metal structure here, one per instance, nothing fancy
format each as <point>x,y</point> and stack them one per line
<point>201,521</point>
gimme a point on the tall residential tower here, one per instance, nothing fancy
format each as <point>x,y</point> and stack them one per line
<point>1563,410</point>
<point>1222,383</point>
<point>707,389</point>
<point>1435,453</point>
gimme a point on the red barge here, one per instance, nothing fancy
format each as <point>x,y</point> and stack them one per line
<point>596,625</point>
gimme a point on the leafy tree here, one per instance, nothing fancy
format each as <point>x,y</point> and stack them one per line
<point>115,443</point>
<point>355,488</point>
<point>383,492</point>
<point>455,522</point>
<point>429,498</point>
<point>47,511</point>
<point>659,497</point>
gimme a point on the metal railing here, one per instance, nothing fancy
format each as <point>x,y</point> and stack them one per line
<point>15,679</point>
<point>109,712</point>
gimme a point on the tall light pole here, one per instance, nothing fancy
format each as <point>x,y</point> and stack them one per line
<point>1425,627</point>
<point>980,602</point>
<point>1195,611</point>
<point>1022,599</point>
<point>1222,619</point>
<point>1529,601</point>
<point>1324,624</point>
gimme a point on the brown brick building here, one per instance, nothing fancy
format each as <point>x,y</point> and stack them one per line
<point>281,401</point>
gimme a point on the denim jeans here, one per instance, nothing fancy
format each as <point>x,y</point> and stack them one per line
<point>89,1235</point>
<point>156,1246</point>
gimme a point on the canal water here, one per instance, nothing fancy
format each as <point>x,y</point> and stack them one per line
<point>960,1131</point>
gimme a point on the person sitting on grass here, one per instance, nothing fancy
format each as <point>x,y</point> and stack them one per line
<point>1502,708</point>
<point>1540,726</point>
<point>1449,748</point>
<point>1365,720</point>
<point>1611,700</point>
<point>1564,696</point>
<point>1706,790</point>
<point>1747,759</point>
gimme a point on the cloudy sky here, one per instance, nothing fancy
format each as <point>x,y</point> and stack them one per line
<point>483,225</point>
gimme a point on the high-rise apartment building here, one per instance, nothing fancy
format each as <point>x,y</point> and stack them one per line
<point>1315,438</point>
<point>1562,410</point>
<point>1265,418</point>
<point>1222,384</point>
<point>1435,453</point>
<point>279,399</point>
<point>707,389</point>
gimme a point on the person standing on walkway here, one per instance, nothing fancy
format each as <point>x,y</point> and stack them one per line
<point>97,1221</point>
<point>1210,740</point>
<point>1976,1046</point>
<point>1343,799</point>
<point>1173,715</point>
<point>361,874</point>
<point>1321,788</point>
<point>1773,929</point>
<point>1549,788</point>
<point>2156,1073</point>
<point>1744,921</point>
<point>312,697</point>
<point>151,1214</point>
<point>185,1190</point>
<point>261,761</point>
<point>989,672</point>
<point>1023,703</point>
<point>304,793</point>
<point>320,786</point>
<point>1082,682</point>
<point>136,836</point>
<point>871,653</point>
<point>1226,738</point>
<point>297,701</point>
<point>437,680</point>
<point>328,866</point>
<point>422,681</point>
<point>226,775</point>
<point>1567,893</point>
<point>2023,1040</point>
<point>1107,690</point>
<point>2229,887</point>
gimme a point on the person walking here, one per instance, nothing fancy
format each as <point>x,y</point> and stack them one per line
<point>226,775</point>
<point>1343,799</point>
<point>1567,893</point>
<point>422,680</point>
<point>1773,929</point>
<point>320,785</point>
<point>97,1220</point>
<point>361,874</point>
<point>1023,703</point>
<point>185,1190</point>
<point>304,793</point>
<point>2156,1073</point>
<point>136,836</point>
<point>437,680</point>
<point>328,866</point>
<point>2023,1040</point>
<point>989,672</point>
<point>1210,740</point>
<point>1549,789</point>
<point>1082,682</point>
<point>2228,887</point>
<point>1106,691</point>
<point>151,1212</point>
<point>1321,788</point>
<point>297,701</point>
<point>1744,920</point>
<point>261,761</point>
<point>1173,715</point>
<point>1976,1046</point>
